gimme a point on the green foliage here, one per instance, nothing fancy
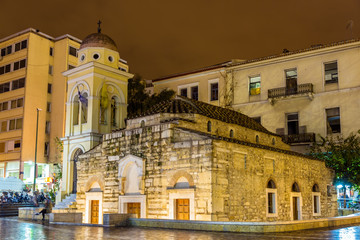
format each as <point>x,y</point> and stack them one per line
<point>341,154</point>
<point>139,100</point>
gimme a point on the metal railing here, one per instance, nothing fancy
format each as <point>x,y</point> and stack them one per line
<point>299,138</point>
<point>282,92</point>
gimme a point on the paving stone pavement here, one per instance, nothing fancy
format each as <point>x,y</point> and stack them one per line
<point>12,228</point>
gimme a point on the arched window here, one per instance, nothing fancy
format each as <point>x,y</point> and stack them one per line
<point>104,104</point>
<point>209,126</point>
<point>271,199</point>
<point>271,184</point>
<point>295,187</point>
<point>273,141</point>
<point>231,133</point>
<point>257,139</point>
<point>114,112</point>
<point>142,124</point>
<point>76,110</point>
<point>84,107</point>
<point>316,200</point>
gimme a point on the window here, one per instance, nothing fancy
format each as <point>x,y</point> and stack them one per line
<point>51,52</point>
<point>19,83</point>
<point>292,123</point>
<point>72,51</point>
<point>17,145</point>
<point>195,92</point>
<point>9,50</point>
<point>231,133</point>
<point>255,83</point>
<point>46,149</point>
<point>4,126</point>
<point>48,107</point>
<point>84,110</point>
<point>257,139</point>
<point>333,120</point>
<point>114,112</point>
<point>271,205</point>
<point>47,127</point>
<point>15,124</point>
<point>51,69</point>
<point>23,44</point>
<point>291,81</point>
<point>7,68</point>
<point>3,52</point>
<point>214,91</point>
<point>295,187</point>
<point>4,106</point>
<point>209,126</point>
<point>22,63</point>
<point>331,72</point>
<point>183,92</point>
<point>76,110</point>
<point>316,200</point>
<point>49,90</point>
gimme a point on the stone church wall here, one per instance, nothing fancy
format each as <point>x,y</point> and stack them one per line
<point>240,180</point>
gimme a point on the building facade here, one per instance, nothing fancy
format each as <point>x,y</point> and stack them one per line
<point>298,95</point>
<point>189,160</point>
<point>31,66</point>
<point>96,102</point>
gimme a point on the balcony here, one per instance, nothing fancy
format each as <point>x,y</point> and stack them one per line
<point>298,91</point>
<point>299,138</point>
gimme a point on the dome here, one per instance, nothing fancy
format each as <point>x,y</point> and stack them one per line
<point>98,40</point>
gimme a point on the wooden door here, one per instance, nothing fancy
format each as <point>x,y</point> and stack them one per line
<point>182,209</point>
<point>134,208</point>
<point>94,211</point>
<point>296,208</point>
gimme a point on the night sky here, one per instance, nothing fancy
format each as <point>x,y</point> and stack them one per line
<point>160,37</point>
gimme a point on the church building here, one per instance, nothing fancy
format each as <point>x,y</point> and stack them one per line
<point>183,159</point>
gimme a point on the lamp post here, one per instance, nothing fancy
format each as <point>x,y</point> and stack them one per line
<point>36,138</point>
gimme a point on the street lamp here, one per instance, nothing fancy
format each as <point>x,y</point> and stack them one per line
<point>36,138</point>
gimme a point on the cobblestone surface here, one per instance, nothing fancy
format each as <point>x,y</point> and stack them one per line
<point>12,228</point>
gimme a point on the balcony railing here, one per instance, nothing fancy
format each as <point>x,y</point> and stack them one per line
<point>299,138</point>
<point>283,92</point>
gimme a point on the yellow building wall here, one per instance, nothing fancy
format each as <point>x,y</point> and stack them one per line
<point>202,80</point>
<point>310,69</point>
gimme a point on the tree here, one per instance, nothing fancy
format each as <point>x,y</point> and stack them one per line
<point>343,155</point>
<point>139,100</point>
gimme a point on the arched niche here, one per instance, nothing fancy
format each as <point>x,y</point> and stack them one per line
<point>131,175</point>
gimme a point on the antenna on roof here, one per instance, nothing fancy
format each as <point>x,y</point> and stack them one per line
<point>350,25</point>
<point>99,27</point>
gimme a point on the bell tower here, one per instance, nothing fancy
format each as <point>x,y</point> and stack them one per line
<point>96,101</point>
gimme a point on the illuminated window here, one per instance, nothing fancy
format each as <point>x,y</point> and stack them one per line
<point>333,120</point>
<point>271,205</point>
<point>255,85</point>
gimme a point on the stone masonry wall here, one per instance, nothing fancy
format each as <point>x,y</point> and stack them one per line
<point>240,178</point>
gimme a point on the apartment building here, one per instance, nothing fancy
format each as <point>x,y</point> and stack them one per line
<point>297,94</point>
<point>31,66</point>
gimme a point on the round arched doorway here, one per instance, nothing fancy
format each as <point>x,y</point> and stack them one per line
<point>75,158</point>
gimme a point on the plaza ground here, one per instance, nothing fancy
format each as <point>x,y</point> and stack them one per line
<point>13,228</point>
